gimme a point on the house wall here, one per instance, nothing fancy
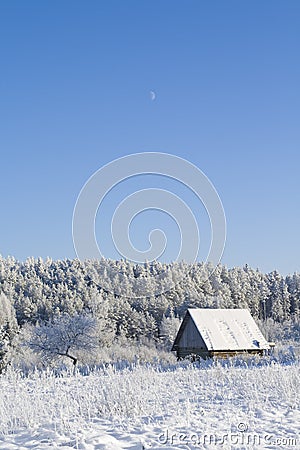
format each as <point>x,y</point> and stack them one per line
<point>183,352</point>
<point>191,342</point>
<point>228,353</point>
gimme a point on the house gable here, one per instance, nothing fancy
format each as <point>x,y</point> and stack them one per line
<point>191,336</point>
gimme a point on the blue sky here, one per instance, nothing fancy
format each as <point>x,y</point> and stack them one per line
<point>75,84</point>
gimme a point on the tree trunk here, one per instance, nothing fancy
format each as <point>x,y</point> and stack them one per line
<point>74,359</point>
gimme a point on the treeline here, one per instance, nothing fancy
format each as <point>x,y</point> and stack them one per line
<point>133,300</point>
<point>96,311</point>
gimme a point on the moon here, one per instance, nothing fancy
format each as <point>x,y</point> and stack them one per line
<point>152,95</point>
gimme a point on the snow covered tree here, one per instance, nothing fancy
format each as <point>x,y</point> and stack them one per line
<point>168,330</point>
<point>8,330</point>
<point>293,283</point>
<point>278,303</point>
<point>65,336</point>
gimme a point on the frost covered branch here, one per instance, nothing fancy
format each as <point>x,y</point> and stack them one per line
<point>65,336</point>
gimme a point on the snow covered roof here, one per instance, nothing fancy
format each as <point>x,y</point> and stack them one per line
<point>228,329</point>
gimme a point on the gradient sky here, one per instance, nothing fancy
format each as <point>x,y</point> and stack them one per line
<point>75,82</point>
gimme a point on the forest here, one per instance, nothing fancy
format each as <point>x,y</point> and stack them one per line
<point>139,303</point>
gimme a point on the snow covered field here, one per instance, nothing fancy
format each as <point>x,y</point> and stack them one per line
<point>213,406</point>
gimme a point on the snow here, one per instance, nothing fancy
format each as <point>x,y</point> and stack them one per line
<point>218,405</point>
<point>228,329</point>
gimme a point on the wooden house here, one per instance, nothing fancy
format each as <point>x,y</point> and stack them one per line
<point>218,332</point>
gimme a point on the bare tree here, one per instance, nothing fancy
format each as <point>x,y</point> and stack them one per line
<point>65,336</point>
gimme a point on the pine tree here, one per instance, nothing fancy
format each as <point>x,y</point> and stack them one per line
<point>8,331</point>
